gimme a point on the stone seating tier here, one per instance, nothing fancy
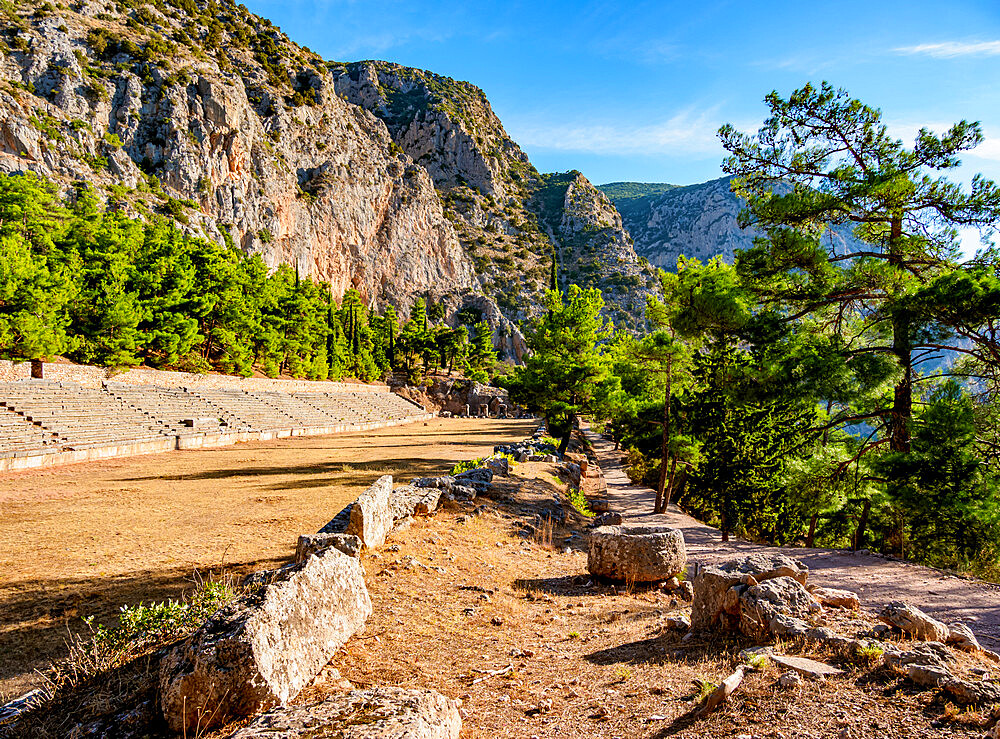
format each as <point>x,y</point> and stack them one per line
<point>42,417</point>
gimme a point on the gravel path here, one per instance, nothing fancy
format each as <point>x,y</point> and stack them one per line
<point>876,580</point>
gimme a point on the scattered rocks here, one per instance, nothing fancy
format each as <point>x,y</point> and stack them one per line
<point>965,692</point>
<point>377,713</point>
<point>607,519</point>
<point>790,679</point>
<point>600,505</point>
<point>479,474</point>
<point>961,637</point>
<point>806,667</point>
<point>263,648</point>
<point>913,621</point>
<point>312,543</point>
<point>677,623</point>
<point>757,605</point>
<point>636,553</point>
<point>499,466</point>
<point>835,598</point>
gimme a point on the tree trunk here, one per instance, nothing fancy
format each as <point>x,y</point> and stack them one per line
<point>668,493</point>
<point>859,535</point>
<point>902,402</point>
<point>661,484</point>
<point>564,444</point>
<point>811,536</point>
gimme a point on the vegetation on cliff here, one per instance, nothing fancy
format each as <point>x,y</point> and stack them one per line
<point>103,288</point>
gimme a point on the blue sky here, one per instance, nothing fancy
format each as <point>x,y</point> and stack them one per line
<point>636,90</point>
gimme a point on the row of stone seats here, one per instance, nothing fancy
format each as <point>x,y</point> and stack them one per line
<point>300,408</point>
<point>40,416</point>
<point>175,407</point>
<point>81,416</point>
<point>249,409</point>
<point>19,436</point>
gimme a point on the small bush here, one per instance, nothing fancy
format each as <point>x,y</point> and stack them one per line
<point>579,501</point>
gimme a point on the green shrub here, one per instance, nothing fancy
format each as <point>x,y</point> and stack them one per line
<point>579,501</point>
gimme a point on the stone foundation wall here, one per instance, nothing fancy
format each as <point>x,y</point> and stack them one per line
<point>96,376</point>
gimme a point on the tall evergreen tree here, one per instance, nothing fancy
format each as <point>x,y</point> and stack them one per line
<point>824,158</point>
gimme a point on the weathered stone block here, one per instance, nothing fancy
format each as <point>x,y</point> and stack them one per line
<point>913,621</point>
<point>377,713</point>
<point>371,517</point>
<point>312,543</point>
<point>499,466</point>
<point>779,596</point>
<point>263,648</point>
<point>636,553</point>
<point>711,584</point>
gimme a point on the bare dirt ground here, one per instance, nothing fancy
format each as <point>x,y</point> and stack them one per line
<point>487,605</point>
<point>86,539</point>
<point>875,579</point>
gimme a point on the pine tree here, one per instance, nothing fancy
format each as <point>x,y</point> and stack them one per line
<point>566,374</point>
<point>824,158</point>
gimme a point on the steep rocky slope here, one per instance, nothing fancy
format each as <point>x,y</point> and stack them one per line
<point>512,220</point>
<point>398,182</point>
<point>209,114</point>
<point>699,221</point>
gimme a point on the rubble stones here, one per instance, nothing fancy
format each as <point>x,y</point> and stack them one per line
<point>376,713</point>
<point>428,502</point>
<point>312,543</point>
<point>479,474</point>
<point>758,604</point>
<point>711,584</point>
<point>636,553</point>
<point>961,637</point>
<point>607,519</point>
<point>913,621</point>
<point>790,679</point>
<point>499,466</point>
<point>835,598</point>
<point>263,648</point>
<point>963,691</point>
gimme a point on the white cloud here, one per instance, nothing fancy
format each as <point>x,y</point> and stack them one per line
<point>687,132</point>
<point>951,49</point>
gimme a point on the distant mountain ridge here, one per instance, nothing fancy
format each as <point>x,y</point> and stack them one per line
<point>666,221</point>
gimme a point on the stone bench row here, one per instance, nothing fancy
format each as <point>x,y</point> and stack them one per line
<point>258,652</point>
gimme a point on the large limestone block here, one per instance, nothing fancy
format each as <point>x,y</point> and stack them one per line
<point>371,516</point>
<point>709,607</point>
<point>779,596</point>
<point>263,648</point>
<point>913,621</point>
<point>636,553</point>
<point>312,543</point>
<point>378,713</point>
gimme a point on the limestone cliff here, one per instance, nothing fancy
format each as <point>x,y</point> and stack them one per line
<point>398,182</point>
<point>209,114</point>
<point>592,246</point>
<point>696,221</point>
<point>512,220</point>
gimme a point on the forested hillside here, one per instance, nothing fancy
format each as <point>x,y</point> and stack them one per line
<point>796,395</point>
<point>394,182</point>
<point>101,287</point>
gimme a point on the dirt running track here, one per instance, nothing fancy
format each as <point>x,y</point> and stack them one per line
<point>876,580</point>
<point>86,539</point>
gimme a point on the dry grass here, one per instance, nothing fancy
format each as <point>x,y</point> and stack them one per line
<point>86,539</point>
<point>587,659</point>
